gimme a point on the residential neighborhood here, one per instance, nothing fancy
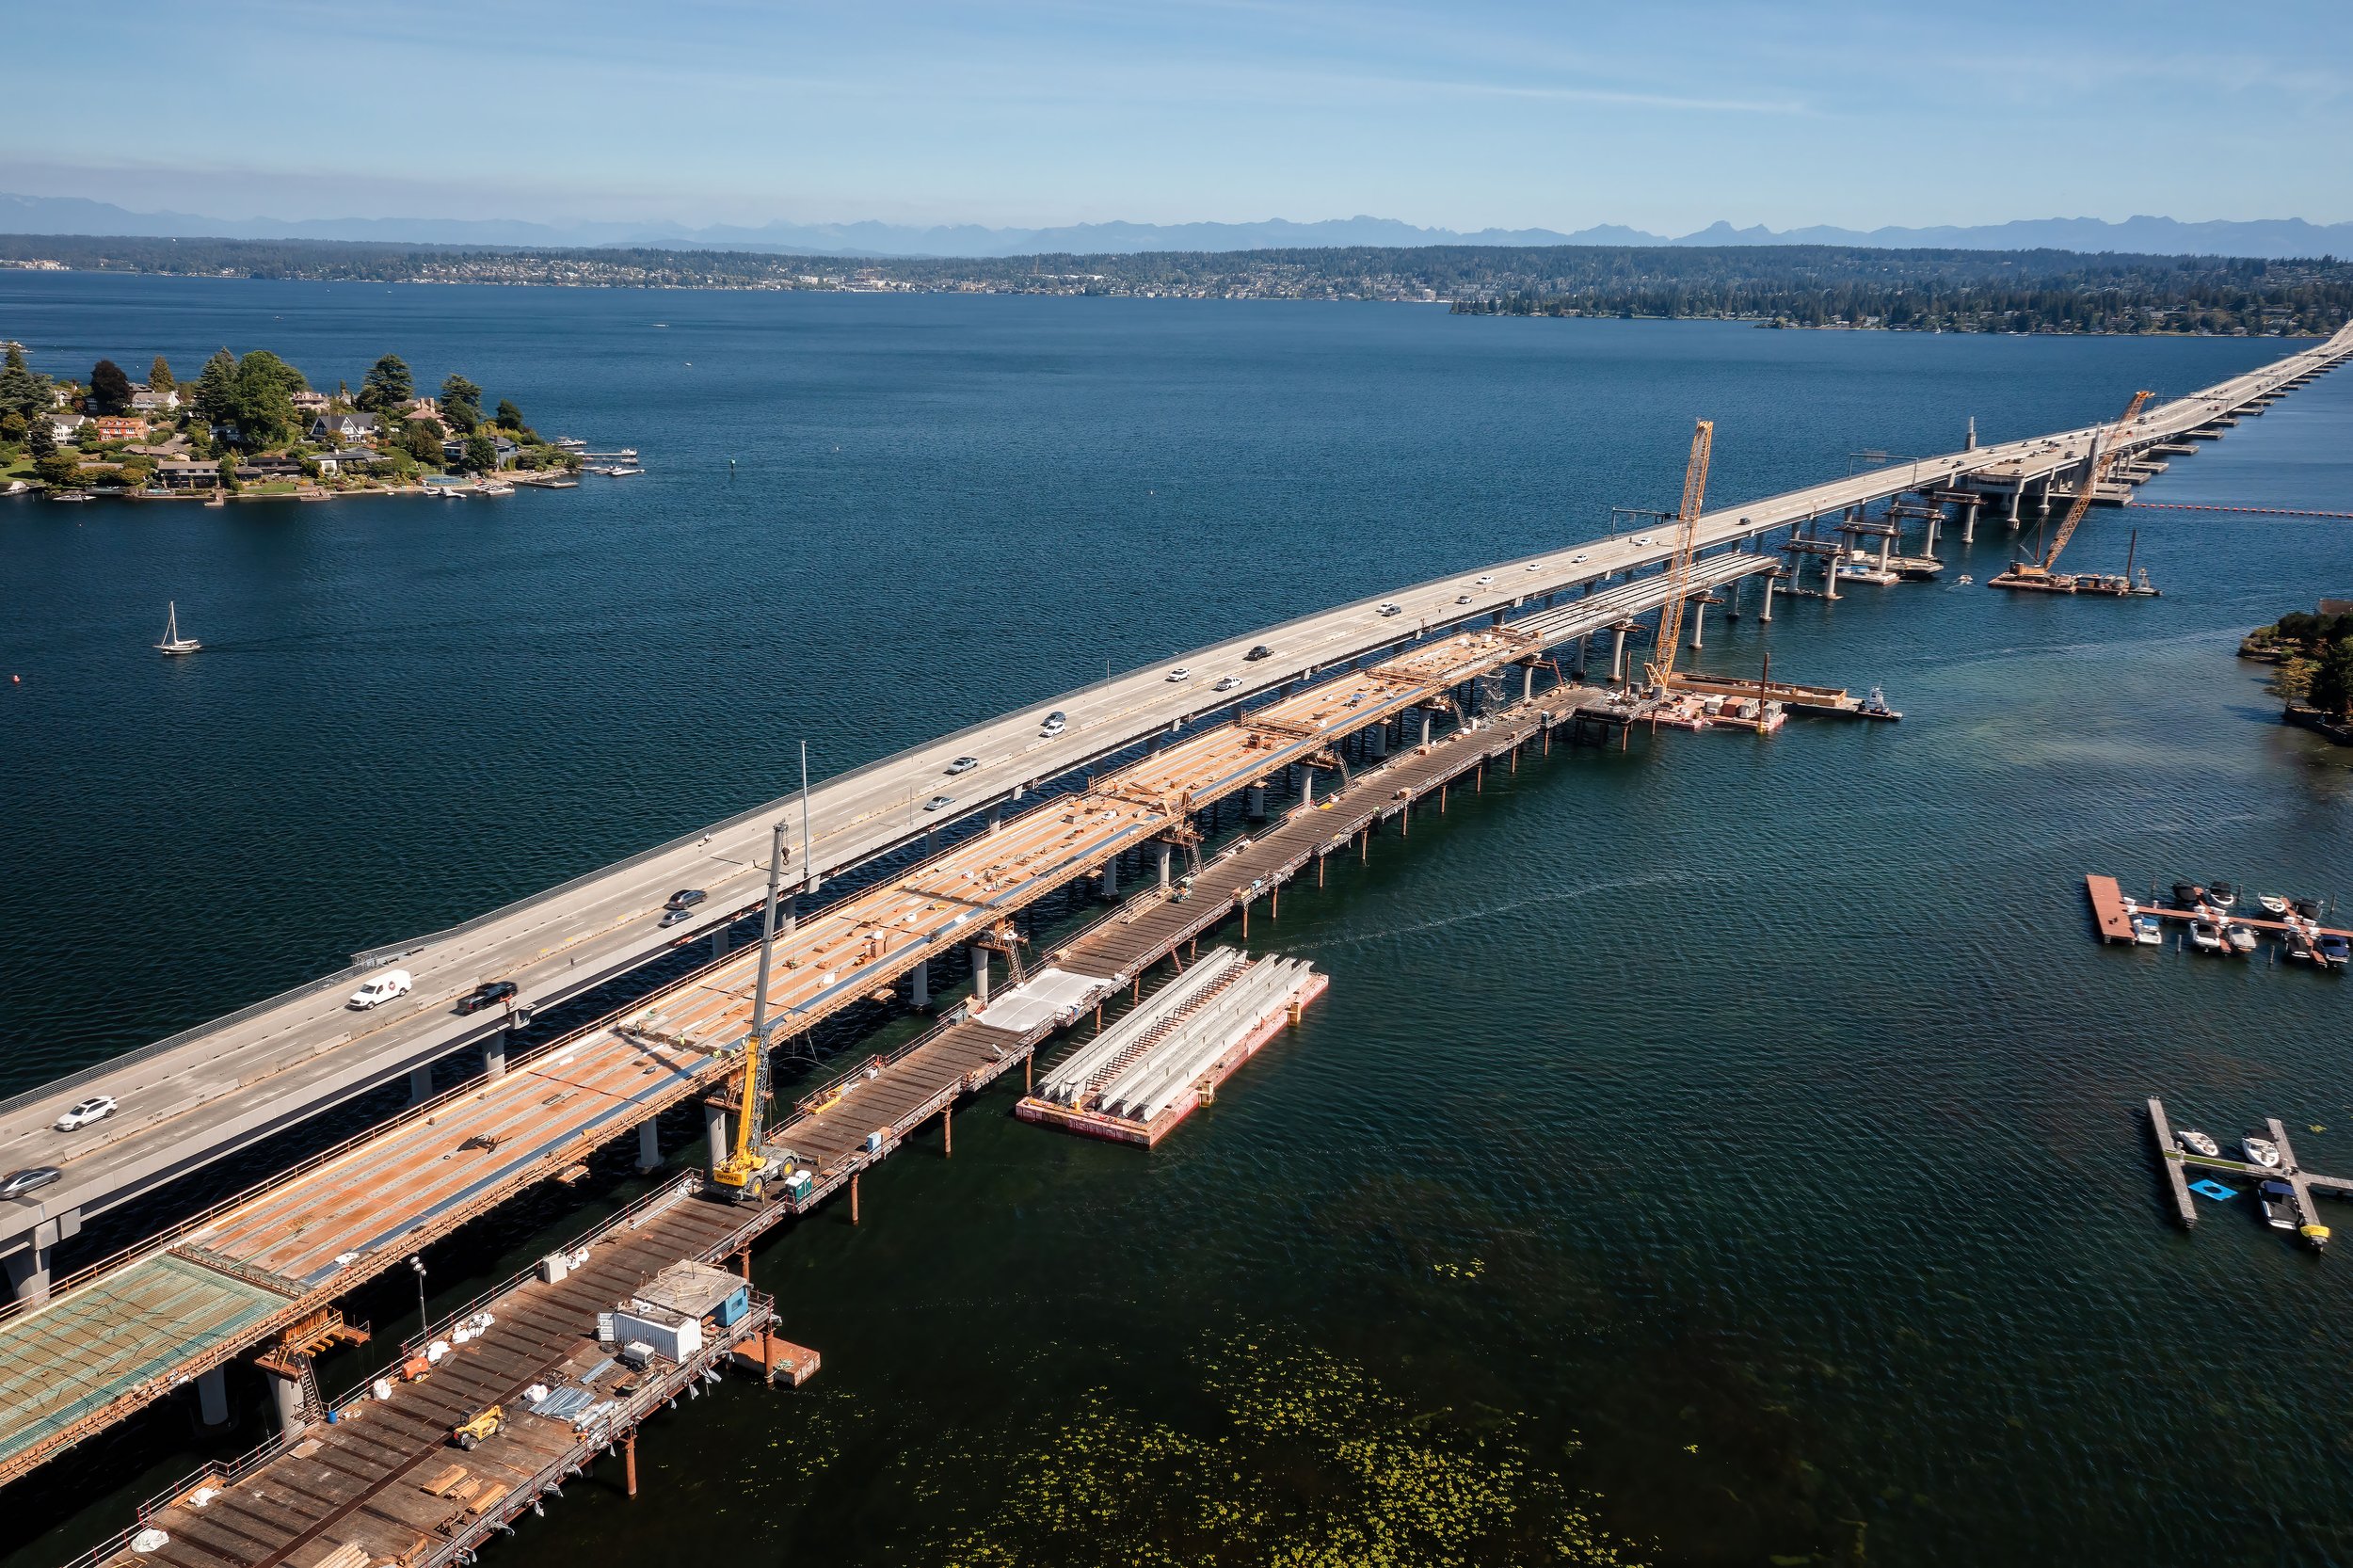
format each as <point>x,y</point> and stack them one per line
<point>251,424</point>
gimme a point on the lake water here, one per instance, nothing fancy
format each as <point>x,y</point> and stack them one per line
<point>1727,1151</point>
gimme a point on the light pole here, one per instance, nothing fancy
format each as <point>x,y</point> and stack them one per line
<point>424,1324</point>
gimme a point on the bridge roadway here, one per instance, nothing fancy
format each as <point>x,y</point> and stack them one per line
<point>133,1329</point>
<point>216,1088</point>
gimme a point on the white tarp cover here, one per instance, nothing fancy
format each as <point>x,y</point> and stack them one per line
<point>1045,995</point>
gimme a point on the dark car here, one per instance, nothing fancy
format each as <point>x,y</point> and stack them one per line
<point>1261,651</point>
<point>488,994</point>
<point>32,1179</point>
<point>685,898</point>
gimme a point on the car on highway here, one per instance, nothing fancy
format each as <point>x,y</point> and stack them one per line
<point>1055,724</point>
<point>1227,682</point>
<point>939,803</point>
<point>1180,673</point>
<point>964,764</point>
<point>685,898</point>
<point>1640,538</point>
<point>378,989</point>
<point>1462,599</point>
<point>488,994</point>
<point>1261,651</point>
<point>1483,578</point>
<point>30,1180</point>
<point>672,915</point>
<point>1535,566</point>
<point>83,1112</point>
<point>1390,607</point>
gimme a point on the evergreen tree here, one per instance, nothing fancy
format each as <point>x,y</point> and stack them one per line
<point>109,388</point>
<point>40,437</point>
<point>2331,686</point>
<point>215,390</point>
<point>23,388</point>
<point>387,386</point>
<point>461,404</point>
<point>159,375</point>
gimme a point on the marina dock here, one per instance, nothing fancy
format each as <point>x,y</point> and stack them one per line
<point>2175,1161</point>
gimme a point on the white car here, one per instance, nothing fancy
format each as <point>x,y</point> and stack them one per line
<point>1578,559</point>
<point>1482,579</point>
<point>1462,599</point>
<point>1390,608</point>
<point>1642,538</point>
<point>1180,673</point>
<point>1535,566</point>
<point>1055,724</point>
<point>378,989</point>
<point>95,1109</point>
<point>964,764</point>
<point>1228,683</point>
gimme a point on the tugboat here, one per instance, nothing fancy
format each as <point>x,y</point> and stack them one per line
<point>2197,1142</point>
<point>2260,1151</point>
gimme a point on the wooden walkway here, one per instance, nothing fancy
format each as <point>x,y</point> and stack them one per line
<point>864,1114</point>
<point>383,1482</point>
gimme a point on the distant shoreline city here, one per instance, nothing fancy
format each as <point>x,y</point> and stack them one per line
<point>1823,286</point>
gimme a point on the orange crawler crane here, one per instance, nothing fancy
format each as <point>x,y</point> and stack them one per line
<point>2038,576</point>
<point>1661,668</point>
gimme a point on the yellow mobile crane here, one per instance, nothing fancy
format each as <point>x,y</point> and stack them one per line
<point>2106,445</point>
<point>1660,667</point>
<point>743,1175</point>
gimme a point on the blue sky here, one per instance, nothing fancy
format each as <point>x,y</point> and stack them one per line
<point>1665,117</point>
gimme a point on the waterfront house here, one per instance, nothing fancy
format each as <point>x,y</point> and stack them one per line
<point>119,427</point>
<point>65,424</point>
<point>311,402</point>
<point>349,461</point>
<point>346,427</point>
<point>455,451</point>
<point>147,400</point>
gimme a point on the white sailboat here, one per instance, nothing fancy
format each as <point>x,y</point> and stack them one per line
<point>173,643</point>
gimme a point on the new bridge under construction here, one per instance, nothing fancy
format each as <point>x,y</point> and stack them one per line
<point>1350,723</point>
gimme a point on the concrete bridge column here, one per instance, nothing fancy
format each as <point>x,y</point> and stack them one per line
<point>1254,803</point>
<point>1110,877</point>
<point>1766,615</point>
<point>921,985</point>
<point>1528,681</point>
<point>1164,856</point>
<point>2043,506</point>
<point>29,1271</point>
<point>1699,622</point>
<point>649,1145</point>
<point>1582,639</point>
<point>494,1056</point>
<point>980,976</point>
<point>1377,741</point>
<point>1969,520</point>
<point>421,1084</point>
<point>715,1134</point>
<point>287,1395</point>
<point>1617,656</point>
<point>1830,576</point>
<point>788,913</point>
<point>212,1396</point>
<point>719,944</point>
<point>2017,492</point>
<point>1936,514</point>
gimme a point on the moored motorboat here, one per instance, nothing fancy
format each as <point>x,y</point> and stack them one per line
<point>2197,1142</point>
<point>2241,937</point>
<point>2272,904</point>
<point>2222,896</point>
<point>2260,1151</point>
<point>2188,895</point>
<point>2278,1204</point>
<point>2148,931</point>
<point>2205,935</point>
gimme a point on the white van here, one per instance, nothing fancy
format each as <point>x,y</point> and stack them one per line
<point>381,989</point>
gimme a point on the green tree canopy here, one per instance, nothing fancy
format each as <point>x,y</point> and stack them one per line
<point>40,437</point>
<point>482,452</point>
<point>22,387</point>
<point>109,388</point>
<point>461,404</point>
<point>56,470</point>
<point>510,417</point>
<point>159,375</point>
<point>216,388</point>
<point>228,472</point>
<point>261,399</point>
<point>386,386</point>
<point>2331,686</point>
<point>421,441</point>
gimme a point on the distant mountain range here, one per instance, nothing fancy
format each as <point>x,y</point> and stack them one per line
<point>2267,237</point>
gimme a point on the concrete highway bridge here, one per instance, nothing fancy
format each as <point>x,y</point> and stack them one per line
<point>76,1354</point>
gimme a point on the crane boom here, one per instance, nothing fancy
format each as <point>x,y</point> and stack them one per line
<point>2105,443</point>
<point>1662,667</point>
<point>742,1171</point>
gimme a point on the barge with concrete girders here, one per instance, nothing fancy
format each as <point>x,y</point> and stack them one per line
<point>1135,1082</point>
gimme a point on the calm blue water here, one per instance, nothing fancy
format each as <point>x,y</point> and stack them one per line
<point>1728,1149</point>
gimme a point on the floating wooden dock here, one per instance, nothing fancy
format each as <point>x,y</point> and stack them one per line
<point>2112,912</point>
<point>2177,1161</point>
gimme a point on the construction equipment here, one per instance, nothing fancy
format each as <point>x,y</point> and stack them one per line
<point>1661,668</point>
<point>481,1429</point>
<point>743,1175</point>
<point>2106,445</point>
